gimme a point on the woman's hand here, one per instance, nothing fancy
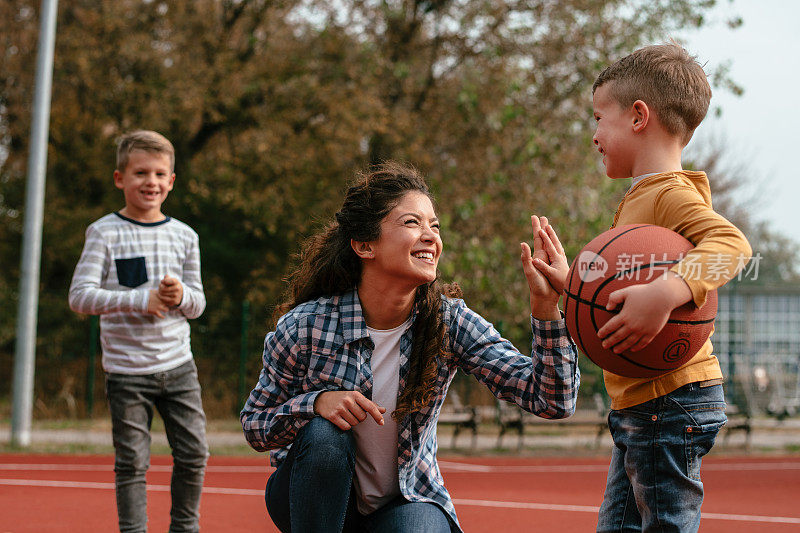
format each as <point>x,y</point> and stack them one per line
<point>345,409</point>
<point>545,268</point>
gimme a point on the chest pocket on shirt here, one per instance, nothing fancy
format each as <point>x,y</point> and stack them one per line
<point>131,272</point>
<point>331,367</point>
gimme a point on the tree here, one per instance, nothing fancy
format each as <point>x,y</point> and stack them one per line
<point>273,105</point>
<point>776,255</point>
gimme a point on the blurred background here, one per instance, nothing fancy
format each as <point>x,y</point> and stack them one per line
<point>273,106</point>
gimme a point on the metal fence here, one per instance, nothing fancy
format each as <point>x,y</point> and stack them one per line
<point>757,339</point>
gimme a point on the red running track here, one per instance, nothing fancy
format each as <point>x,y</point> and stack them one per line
<point>76,494</point>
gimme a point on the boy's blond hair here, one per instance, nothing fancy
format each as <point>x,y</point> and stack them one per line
<point>667,79</point>
<point>149,141</point>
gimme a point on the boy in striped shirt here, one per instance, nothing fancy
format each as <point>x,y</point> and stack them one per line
<point>140,271</point>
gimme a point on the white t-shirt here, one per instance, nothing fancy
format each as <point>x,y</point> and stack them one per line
<point>376,480</point>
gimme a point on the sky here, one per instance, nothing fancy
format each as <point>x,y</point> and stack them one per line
<point>761,129</point>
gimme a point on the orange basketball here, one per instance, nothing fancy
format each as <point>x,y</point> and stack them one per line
<point>624,256</point>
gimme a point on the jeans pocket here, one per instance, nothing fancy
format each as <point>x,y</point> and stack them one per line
<point>699,439</point>
<point>131,272</point>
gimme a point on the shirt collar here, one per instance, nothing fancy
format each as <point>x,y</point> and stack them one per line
<point>351,317</point>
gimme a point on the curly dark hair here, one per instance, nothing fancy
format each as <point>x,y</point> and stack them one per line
<point>328,266</point>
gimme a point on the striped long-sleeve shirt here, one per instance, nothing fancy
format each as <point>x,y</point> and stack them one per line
<point>324,345</point>
<point>122,261</point>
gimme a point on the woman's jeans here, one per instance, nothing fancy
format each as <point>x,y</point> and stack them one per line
<point>176,395</point>
<point>311,490</point>
<point>654,478</point>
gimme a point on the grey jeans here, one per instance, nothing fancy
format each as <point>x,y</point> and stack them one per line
<point>176,395</point>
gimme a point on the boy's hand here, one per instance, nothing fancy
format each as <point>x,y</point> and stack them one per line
<point>345,409</point>
<point>645,311</point>
<point>546,261</point>
<point>155,306</point>
<point>170,290</point>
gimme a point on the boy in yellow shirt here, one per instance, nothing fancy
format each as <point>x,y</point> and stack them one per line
<point>647,105</point>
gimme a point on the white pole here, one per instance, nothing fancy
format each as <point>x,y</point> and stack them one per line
<point>25,355</point>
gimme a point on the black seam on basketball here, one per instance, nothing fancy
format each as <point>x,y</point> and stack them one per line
<point>669,321</point>
<point>567,312</point>
<point>594,305</point>
<point>600,251</point>
<point>578,341</point>
<point>600,288</point>
<point>606,245</point>
<point>580,286</point>
<point>692,322</point>
<point>631,361</point>
<point>621,273</point>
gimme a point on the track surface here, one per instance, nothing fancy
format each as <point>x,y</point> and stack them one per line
<point>76,494</point>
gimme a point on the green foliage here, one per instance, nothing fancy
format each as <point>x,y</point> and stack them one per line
<point>272,107</point>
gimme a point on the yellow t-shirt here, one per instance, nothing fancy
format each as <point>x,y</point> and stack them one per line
<point>681,201</point>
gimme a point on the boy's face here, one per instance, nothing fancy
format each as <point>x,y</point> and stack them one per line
<point>614,134</point>
<point>145,182</point>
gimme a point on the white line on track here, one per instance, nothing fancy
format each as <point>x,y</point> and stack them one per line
<point>592,509</point>
<point>470,467</point>
<point>457,501</point>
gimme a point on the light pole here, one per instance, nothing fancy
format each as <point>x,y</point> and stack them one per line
<point>25,354</point>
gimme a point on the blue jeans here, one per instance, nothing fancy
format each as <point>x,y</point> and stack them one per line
<point>311,491</point>
<point>654,478</point>
<point>176,395</point>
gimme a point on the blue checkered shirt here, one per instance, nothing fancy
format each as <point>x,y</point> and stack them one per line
<point>324,345</point>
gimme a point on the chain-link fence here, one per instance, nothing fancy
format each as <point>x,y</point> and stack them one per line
<point>757,339</point>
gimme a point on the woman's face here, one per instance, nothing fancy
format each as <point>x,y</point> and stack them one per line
<point>410,245</point>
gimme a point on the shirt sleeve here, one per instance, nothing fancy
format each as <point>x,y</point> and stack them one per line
<point>86,292</point>
<point>194,299</point>
<point>721,250</point>
<point>277,406</point>
<point>546,383</point>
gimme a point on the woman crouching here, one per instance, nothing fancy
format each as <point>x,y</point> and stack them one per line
<point>367,331</point>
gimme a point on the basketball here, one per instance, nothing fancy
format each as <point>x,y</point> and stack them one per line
<point>618,258</point>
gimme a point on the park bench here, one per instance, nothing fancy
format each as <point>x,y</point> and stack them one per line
<point>510,417</point>
<point>455,413</point>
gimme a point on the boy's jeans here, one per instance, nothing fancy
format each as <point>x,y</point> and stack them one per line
<point>654,478</point>
<point>176,395</point>
<point>311,490</point>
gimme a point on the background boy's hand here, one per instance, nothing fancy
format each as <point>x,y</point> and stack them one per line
<point>345,409</point>
<point>645,311</point>
<point>170,290</point>
<point>155,306</point>
<point>546,261</point>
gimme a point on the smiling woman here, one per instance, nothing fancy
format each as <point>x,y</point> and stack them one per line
<point>367,330</point>
<point>407,251</point>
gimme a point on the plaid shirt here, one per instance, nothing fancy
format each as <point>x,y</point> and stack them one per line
<point>324,345</point>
